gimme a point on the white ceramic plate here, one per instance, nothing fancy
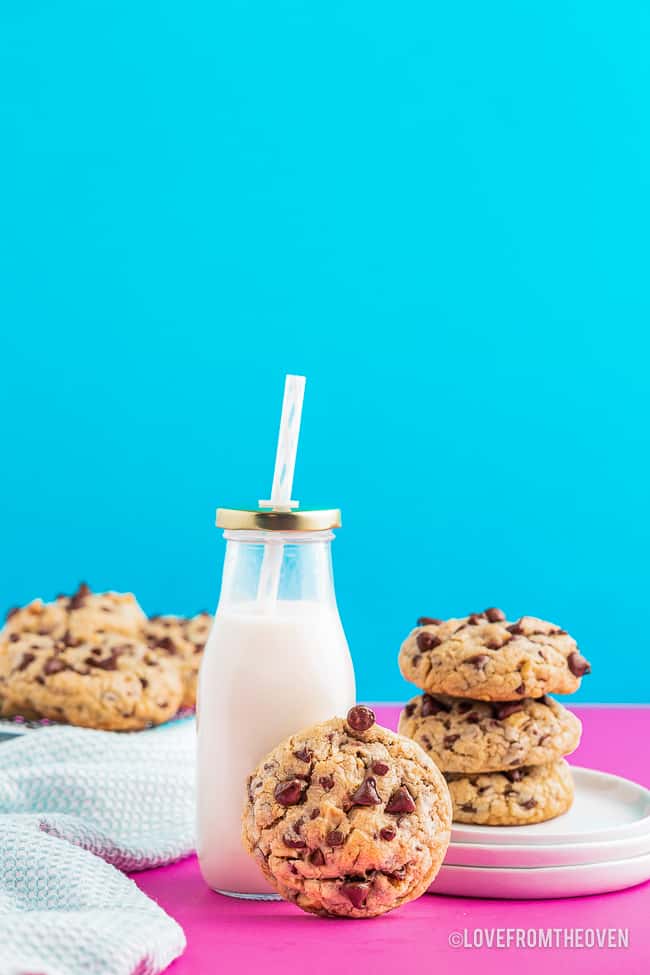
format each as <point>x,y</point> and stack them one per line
<point>548,855</point>
<point>544,882</point>
<point>606,807</point>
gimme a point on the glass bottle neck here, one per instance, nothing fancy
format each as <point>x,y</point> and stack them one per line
<point>266,571</point>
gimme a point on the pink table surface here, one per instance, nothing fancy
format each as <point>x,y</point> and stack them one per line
<point>228,935</point>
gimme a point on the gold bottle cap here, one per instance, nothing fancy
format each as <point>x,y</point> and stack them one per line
<point>238,519</point>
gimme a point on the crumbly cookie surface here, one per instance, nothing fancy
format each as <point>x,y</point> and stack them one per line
<point>517,798</point>
<point>183,639</point>
<point>486,657</point>
<point>81,615</point>
<point>111,682</point>
<point>347,818</point>
<point>468,736</point>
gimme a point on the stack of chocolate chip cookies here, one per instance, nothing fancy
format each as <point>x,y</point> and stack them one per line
<point>96,660</point>
<point>485,717</point>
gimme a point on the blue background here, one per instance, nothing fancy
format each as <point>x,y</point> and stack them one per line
<point>438,213</point>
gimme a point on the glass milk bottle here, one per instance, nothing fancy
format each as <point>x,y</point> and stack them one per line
<point>276,661</point>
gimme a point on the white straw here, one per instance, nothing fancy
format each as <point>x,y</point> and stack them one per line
<point>285,463</point>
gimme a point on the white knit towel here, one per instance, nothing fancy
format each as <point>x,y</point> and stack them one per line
<point>74,806</point>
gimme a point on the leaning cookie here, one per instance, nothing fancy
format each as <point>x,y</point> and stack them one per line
<point>518,798</point>
<point>483,656</point>
<point>348,819</point>
<point>476,736</point>
<point>182,639</point>
<point>112,682</point>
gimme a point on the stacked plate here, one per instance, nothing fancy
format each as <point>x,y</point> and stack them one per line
<point>601,844</point>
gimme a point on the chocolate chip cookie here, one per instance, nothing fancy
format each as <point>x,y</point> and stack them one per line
<point>517,798</point>
<point>111,682</point>
<point>183,639</point>
<point>82,614</point>
<point>479,736</point>
<point>347,818</point>
<point>486,657</point>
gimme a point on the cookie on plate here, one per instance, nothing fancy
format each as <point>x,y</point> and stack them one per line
<point>111,682</point>
<point>486,657</point>
<point>517,798</point>
<point>479,736</point>
<point>182,638</point>
<point>347,818</point>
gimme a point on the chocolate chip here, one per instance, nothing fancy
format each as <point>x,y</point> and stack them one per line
<point>335,838</point>
<point>473,718</point>
<point>428,621</point>
<point>528,803</point>
<point>53,665</point>
<point>304,755</point>
<point>427,641</point>
<point>366,794</point>
<point>326,782</point>
<point>495,615</point>
<point>294,843</point>
<point>400,801</point>
<point>515,628</point>
<point>387,833</point>
<point>289,793</point>
<point>12,612</point>
<point>465,706</point>
<point>14,637</point>
<point>409,710</point>
<point>494,645</point>
<point>356,893</point>
<point>468,807</point>
<point>165,643</point>
<point>578,665</point>
<point>503,711</point>
<point>314,814</point>
<point>379,768</point>
<point>144,682</point>
<point>431,706</point>
<point>26,660</point>
<point>516,775</point>
<point>361,718</point>
<point>449,740</point>
<point>478,661</point>
<point>110,663</point>
<point>78,598</point>
<point>317,858</point>
<point>475,618</point>
<point>520,690</point>
<point>298,825</point>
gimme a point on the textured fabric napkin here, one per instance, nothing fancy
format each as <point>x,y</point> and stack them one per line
<point>74,806</point>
